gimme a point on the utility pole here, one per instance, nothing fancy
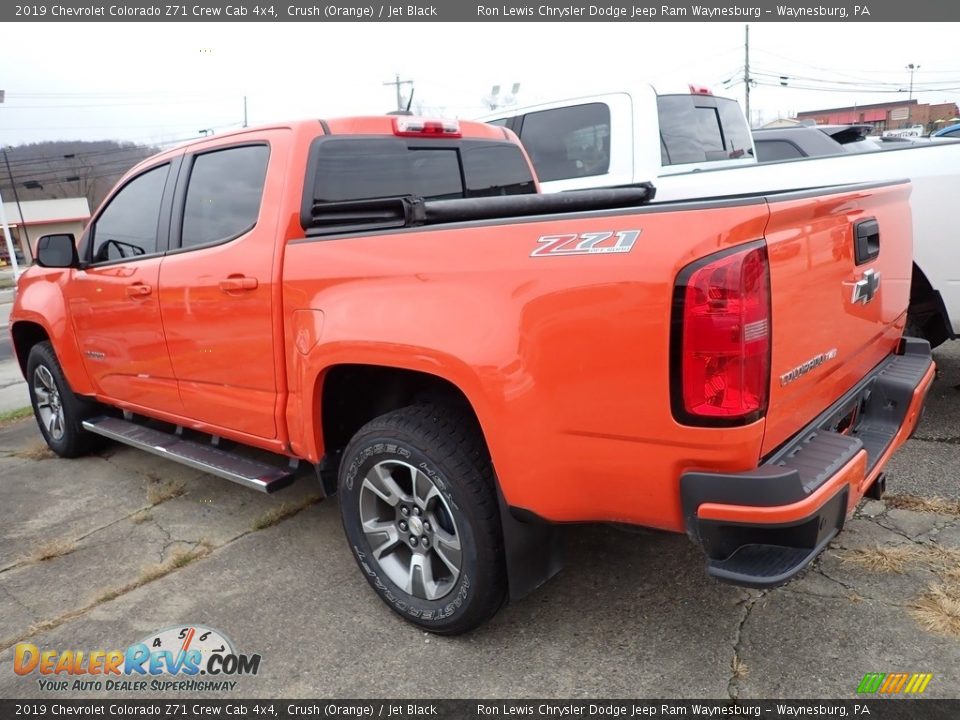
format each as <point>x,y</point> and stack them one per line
<point>912,68</point>
<point>3,222</point>
<point>398,82</point>
<point>244,110</point>
<point>746,73</point>
<point>16,198</point>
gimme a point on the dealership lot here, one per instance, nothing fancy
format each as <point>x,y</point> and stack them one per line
<point>135,544</point>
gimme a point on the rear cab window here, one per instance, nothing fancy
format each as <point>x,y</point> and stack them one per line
<point>371,174</point>
<point>364,168</point>
<point>697,129</point>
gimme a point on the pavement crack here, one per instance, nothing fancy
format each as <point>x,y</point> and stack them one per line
<point>855,595</point>
<point>22,562</point>
<point>738,669</point>
<point>167,534</point>
<point>897,531</point>
<point>18,602</point>
<point>943,441</point>
<point>199,550</point>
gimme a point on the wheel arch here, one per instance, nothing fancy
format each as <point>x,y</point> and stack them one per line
<point>927,313</point>
<point>349,395</point>
<point>26,334</point>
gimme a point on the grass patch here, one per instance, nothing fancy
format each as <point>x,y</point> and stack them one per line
<point>160,492</point>
<point>921,504</point>
<point>52,549</point>
<point>37,452</point>
<point>938,609</point>
<point>10,417</point>
<point>883,559</point>
<point>284,511</point>
<point>897,559</point>
<point>739,668</point>
<point>141,517</point>
<point>179,558</point>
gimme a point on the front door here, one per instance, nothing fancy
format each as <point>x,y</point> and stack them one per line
<point>115,300</point>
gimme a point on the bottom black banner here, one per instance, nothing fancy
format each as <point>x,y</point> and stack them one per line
<point>875,709</point>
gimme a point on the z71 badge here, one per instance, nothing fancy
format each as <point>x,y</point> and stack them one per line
<point>588,243</point>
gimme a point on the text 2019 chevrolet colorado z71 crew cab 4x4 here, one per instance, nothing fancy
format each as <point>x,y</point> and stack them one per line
<point>467,371</point>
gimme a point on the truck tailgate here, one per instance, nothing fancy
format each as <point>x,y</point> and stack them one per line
<point>840,269</point>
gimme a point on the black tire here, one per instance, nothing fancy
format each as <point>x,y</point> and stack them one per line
<point>447,449</point>
<point>68,439</point>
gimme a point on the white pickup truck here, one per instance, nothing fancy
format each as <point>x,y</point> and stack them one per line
<point>705,150</point>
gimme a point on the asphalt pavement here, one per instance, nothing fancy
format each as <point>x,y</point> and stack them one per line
<point>134,544</point>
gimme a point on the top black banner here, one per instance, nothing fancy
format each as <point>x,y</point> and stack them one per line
<point>484,11</point>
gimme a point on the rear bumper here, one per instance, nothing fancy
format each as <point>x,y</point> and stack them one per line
<point>761,527</point>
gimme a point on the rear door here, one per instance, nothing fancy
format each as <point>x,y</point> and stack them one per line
<point>216,287</point>
<point>840,268</point>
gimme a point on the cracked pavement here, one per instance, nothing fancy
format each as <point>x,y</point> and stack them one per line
<point>631,615</point>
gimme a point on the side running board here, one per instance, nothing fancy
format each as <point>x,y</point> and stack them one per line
<point>231,466</point>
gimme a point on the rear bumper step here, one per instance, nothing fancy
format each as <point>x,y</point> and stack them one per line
<point>760,528</point>
<point>231,466</point>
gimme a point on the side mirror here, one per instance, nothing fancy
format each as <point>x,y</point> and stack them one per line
<point>57,251</point>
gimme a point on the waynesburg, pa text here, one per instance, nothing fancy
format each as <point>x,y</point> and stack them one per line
<point>789,12</point>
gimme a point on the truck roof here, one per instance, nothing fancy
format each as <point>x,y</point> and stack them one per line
<point>386,125</point>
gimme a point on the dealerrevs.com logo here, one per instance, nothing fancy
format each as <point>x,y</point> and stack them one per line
<point>189,658</point>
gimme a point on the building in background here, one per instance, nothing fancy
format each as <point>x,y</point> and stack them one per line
<point>887,116</point>
<point>42,217</point>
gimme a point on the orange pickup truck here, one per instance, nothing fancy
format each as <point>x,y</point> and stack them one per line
<point>386,304</point>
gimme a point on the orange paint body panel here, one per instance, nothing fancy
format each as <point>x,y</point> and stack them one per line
<point>564,359</point>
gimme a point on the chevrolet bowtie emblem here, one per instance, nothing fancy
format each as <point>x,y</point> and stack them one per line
<point>866,288</point>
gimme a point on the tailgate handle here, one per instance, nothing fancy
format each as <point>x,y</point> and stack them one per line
<point>866,241</point>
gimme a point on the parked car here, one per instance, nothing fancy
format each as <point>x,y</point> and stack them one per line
<point>952,131</point>
<point>789,143</point>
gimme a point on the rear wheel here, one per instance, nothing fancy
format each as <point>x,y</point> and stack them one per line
<point>59,413</point>
<point>419,509</point>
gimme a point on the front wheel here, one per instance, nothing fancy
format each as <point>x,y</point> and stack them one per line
<point>58,411</point>
<point>419,509</point>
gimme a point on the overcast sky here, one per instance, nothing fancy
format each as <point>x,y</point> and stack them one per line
<point>157,82</point>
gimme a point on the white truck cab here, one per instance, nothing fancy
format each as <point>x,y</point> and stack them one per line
<point>604,139</point>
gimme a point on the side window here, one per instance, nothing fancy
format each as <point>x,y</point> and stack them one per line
<point>568,142</point>
<point>127,228</point>
<point>224,194</point>
<point>697,129</point>
<point>501,122</point>
<point>771,150</point>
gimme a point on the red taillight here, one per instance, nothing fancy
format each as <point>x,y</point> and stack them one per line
<point>421,127</point>
<point>721,338</point>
